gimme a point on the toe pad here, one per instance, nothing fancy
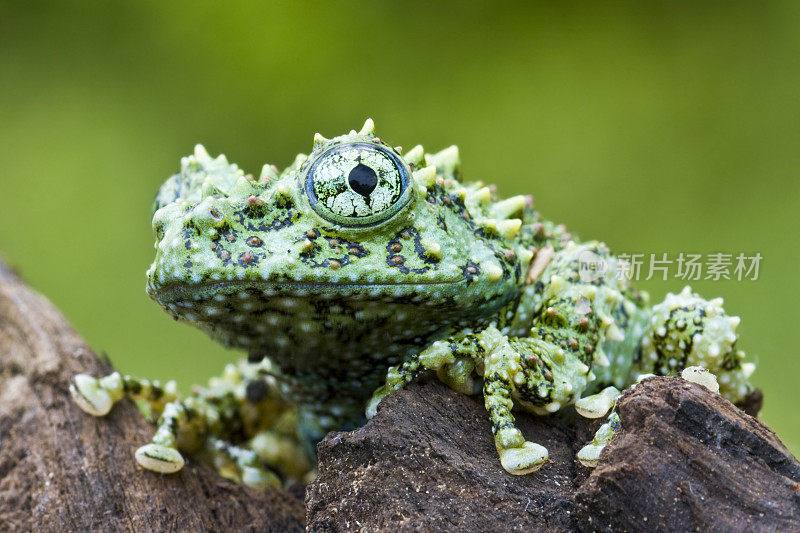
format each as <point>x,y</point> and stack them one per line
<point>159,458</point>
<point>90,396</point>
<point>523,460</point>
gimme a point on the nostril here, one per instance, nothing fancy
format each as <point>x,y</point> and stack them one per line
<point>159,230</point>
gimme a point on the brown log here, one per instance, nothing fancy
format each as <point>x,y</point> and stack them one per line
<point>687,460</point>
<point>62,470</point>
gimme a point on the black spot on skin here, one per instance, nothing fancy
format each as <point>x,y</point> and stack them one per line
<point>356,249</point>
<point>506,265</point>
<point>397,244</point>
<point>310,258</point>
<point>285,217</point>
<point>254,357</point>
<point>255,211</point>
<point>471,271</point>
<point>438,195</point>
<point>311,253</point>
<point>159,229</point>
<point>256,390</point>
<point>344,251</point>
<point>284,202</point>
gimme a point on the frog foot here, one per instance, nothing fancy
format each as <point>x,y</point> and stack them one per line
<point>159,458</point>
<point>599,404</point>
<point>397,377</point>
<point>95,396</point>
<point>372,406</point>
<point>524,459</point>
<point>589,454</point>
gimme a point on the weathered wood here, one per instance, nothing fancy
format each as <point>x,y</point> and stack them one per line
<point>687,460</point>
<point>62,470</point>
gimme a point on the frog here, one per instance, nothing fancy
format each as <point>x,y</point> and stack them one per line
<point>360,268</point>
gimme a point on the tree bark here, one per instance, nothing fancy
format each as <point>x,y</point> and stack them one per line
<point>686,460</point>
<point>63,470</point>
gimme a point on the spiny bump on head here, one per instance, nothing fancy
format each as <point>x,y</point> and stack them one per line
<point>208,189</point>
<point>508,228</point>
<point>509,208</point>
<point>433,250</point>
<point>269,173</point>
<point>296,165</point>
<point>600,358</point>
<point>479,197</point>
<point>244,188</point>
<point>365,134</point>
<point>319,141</point>
<point>614,333</point>
<point>525,255</point>
<point>416,156</point>
<point>368,128</point>
<point>447,161</point>
<point>201,154</point>
<point>425,176</point>
<point>492,270</point>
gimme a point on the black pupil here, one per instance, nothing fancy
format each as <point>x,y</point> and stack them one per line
<point>363,179</point>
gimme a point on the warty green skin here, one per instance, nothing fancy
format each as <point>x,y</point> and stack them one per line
<point>336,296</point>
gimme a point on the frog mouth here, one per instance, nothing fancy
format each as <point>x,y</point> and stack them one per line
<point>180,291</point>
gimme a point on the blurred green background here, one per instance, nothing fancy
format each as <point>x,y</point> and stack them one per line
<point>658,127</point>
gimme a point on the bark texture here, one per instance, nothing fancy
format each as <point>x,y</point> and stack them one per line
<point>687,460</point>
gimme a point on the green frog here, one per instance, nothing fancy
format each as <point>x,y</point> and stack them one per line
<point>360,267</point>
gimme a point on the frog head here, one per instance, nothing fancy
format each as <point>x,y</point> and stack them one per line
<point>355,246</point>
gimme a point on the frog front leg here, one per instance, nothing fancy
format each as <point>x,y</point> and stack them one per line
<point>454,360</point>
<point>536,374</point>
<point>533,372</point>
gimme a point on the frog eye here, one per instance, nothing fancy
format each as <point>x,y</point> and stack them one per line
<point>357,184</point>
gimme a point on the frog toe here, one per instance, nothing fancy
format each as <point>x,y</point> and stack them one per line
<point>159,458</point>
<point>599,404</point>
<point>525,459</point>
<point>90,395</point>
<point>589,454</point>
<point>372,406</point>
